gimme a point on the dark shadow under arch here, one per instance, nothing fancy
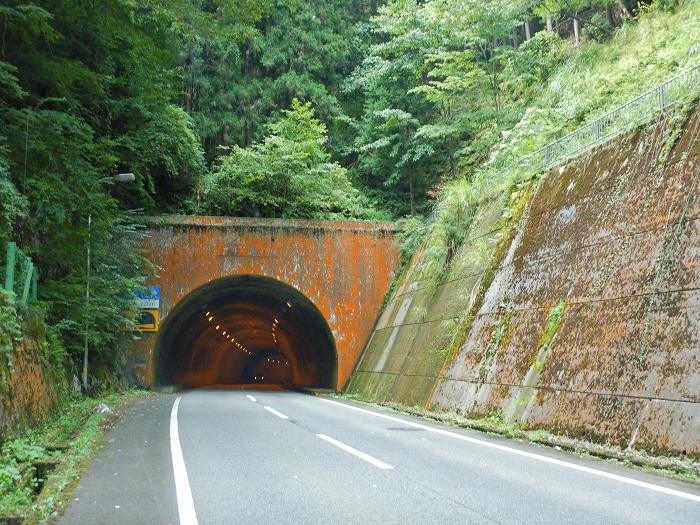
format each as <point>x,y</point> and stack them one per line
<point>245,329</point>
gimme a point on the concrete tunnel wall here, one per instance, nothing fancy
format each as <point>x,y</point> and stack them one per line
<point>338,271</point>
<point>583,317</point>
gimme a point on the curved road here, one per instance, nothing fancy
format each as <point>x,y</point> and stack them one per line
<point>230,456</point>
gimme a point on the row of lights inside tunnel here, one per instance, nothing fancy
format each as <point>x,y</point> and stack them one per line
<point>236,343</point>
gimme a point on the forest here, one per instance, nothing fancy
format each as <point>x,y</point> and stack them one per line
<point>355,109</point>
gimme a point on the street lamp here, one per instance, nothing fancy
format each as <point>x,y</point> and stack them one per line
<point>120,177</point>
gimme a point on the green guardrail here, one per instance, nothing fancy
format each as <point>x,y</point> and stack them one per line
<point>21,274</point>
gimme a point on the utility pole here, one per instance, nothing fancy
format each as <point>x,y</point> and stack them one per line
<point>121,177</point>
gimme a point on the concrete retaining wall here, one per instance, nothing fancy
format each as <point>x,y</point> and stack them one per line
<point>591,323</point>
<point>27,395</point>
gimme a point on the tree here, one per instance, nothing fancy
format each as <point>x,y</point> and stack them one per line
<point>87,90</point>
<point>288,174</point>
<point>233,87</point>
<point>389,159</point>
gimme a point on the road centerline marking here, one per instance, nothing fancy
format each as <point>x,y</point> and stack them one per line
<point>347,448</point>
<point>531,455</point>
<point>251,398</point>
<point>185,504</point>
<point>275,412</point>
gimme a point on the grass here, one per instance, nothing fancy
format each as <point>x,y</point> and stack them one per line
<point>69,438</point>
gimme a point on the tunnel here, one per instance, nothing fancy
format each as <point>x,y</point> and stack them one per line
<point>245,330</point>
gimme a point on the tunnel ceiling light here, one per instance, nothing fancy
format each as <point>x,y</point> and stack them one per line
<point>224,332</point>
<point>210,318</point>
<point>207,314</point>
<point>289,304</point>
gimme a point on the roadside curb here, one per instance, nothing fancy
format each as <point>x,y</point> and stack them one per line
<point>677,468</point>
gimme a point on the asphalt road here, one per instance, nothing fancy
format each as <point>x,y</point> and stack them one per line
<point>232,456</point>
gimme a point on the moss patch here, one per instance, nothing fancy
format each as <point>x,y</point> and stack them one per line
<point>511,217</point>
<point>498,337</point>
<point>556,316</point>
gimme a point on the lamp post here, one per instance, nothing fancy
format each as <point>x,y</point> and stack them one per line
<point>121,177</point>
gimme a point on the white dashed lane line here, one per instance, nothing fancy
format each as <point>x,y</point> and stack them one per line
<point>524,453</point>
<point>275,412</point>
<point>347,448</point>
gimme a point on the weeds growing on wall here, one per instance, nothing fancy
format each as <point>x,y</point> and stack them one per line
<point>10,335</point>
<point>412,231</point>
<point>556,316</point>
<point>518,198</point>
<point>498,338</point>
<point>674,129</point>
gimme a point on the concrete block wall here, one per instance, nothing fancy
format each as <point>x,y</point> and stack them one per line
<point>591,323</point>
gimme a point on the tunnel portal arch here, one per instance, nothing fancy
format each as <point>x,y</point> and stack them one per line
<point>239,329</point>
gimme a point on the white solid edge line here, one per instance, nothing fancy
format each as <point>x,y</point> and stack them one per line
<point>531,455</point>
<point>251,398</point>
<point>347,448</point>
<point>275,412</point>
<point>185,505</point>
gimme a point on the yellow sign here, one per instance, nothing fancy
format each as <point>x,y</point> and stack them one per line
<point>148,320</point>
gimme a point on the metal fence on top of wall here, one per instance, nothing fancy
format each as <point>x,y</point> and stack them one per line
<point>637,111</point>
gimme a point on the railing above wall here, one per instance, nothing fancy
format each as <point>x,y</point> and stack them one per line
<point>21,275</point>
<point>639,110</point>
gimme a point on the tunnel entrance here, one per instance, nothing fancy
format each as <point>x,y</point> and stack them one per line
<point>245,330</point>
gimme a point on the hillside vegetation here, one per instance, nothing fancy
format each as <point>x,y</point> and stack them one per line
<point>357,109</point>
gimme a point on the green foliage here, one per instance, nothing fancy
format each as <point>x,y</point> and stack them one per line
<point>488,97</point>
<point>75,423</point>
<point>454,214</point>
<point>412,231</point>
<point>556,316</point>
<point>10,334</point>
<point>289,174</point>
<point>234,87</point>
<point>16,487</point>
<point>86,93</point>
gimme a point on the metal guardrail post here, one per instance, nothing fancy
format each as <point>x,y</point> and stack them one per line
<point>662,97</point>
<point>27,280</point>
<point>35,280</point>
<point>10,266</point>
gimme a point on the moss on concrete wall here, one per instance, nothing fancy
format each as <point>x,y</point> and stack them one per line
<point>607,245</point>
<point>28,388</point>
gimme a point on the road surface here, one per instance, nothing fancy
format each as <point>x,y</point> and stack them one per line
<point>212,456</point>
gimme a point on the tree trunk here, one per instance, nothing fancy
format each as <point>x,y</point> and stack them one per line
<point>610,15</point>
<point>410,191</point>
<point>577,33</point>
<point>625,9</point>
<point>549,23</point>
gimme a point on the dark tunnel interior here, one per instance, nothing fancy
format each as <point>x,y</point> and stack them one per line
<point>245,330</point>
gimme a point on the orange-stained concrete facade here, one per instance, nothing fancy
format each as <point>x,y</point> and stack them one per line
<point>344,268</point>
